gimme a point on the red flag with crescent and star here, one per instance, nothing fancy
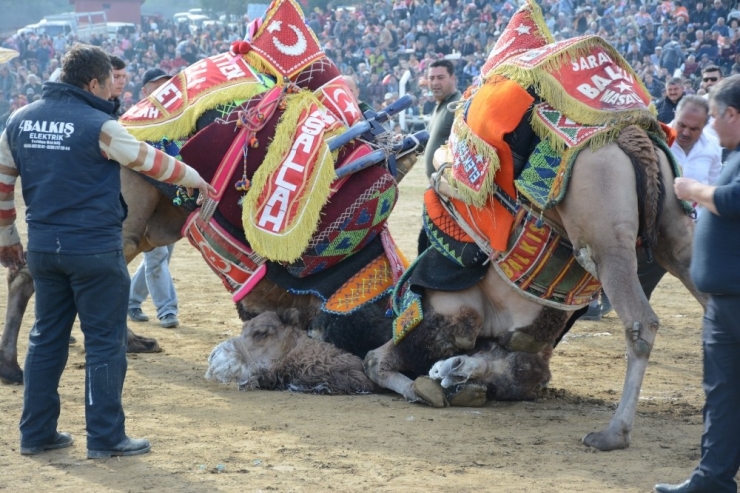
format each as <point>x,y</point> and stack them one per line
<point>284,41</point>
<point>338,99</point>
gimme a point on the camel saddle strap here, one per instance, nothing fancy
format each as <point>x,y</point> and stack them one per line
<point>538,262</point>
<point>239,268</point>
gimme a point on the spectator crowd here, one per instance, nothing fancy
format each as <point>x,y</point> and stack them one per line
<point>378,42</point>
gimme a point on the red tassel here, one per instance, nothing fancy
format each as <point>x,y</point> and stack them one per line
<point>244,47</point>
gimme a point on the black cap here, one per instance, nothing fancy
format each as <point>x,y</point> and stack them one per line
<point>154,74</point>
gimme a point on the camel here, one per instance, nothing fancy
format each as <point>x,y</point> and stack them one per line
<point>275,352</point>
<point>472,337</point>
<point>152,221</point>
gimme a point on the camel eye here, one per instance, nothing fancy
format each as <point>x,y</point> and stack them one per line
<point>260,332</point>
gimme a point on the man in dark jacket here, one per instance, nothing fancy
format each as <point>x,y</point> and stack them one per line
<point>673,94</point>
<point>68,150</point>
<point>443,83</point>
<point>714,270</point>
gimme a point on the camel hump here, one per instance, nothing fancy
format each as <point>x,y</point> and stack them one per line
<point>638,146</point>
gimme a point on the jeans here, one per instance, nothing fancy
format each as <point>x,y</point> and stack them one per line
<point>153,276</point>
<point>95,287</point>
<point>720,442</point>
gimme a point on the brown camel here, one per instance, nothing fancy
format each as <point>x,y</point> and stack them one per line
<point>601,217</point>
<point>154,221</point>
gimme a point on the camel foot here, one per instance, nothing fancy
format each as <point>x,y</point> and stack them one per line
<point>607,440</point>
<point>11,374</point>
<point>430,392</point>
<point>140,344</point>
<point>467,395</point>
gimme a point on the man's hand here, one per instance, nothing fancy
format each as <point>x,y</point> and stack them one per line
<point>205,189</point>
<point>684,188</point>
<point>696,192</point>
<point>12,256</point>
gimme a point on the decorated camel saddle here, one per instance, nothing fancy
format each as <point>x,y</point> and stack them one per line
<point>509,158</point>
<point>305,182</point>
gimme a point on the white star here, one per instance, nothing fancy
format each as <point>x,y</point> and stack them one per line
<point>623,87</point>
<point>351,108</point>
<point>522,29</point>
<point>274,26</point>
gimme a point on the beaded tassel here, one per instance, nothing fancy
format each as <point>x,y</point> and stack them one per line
<point>244,184</point>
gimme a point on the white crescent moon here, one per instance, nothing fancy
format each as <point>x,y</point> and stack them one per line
<point>296,49</point>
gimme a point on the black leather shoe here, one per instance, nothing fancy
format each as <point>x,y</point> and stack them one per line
<point>685,487</point>
<point>137,315</point>
<point>61,440</point>
<point>129,446</point>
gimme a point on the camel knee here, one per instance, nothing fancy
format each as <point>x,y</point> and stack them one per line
<point>372,364</point>
<point>641,335</point>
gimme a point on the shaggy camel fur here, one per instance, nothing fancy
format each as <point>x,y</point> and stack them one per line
<point>275,353</point>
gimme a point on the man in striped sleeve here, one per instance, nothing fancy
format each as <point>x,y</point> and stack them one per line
<point>67,148</point>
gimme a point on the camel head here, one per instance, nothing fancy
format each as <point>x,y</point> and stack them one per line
<point>264,342</point>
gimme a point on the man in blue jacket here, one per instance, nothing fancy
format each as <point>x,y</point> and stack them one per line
<point>715,270</point>
<point>68,149</point>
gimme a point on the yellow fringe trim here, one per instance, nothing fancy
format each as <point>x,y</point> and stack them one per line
<point>551,90</point>
<point>476,145</point>
<point>263,66</point>
<point>183,125</point>
<point>539,21</point>
<point>289,244</point>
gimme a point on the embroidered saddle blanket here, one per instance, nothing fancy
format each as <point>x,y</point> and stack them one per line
<point>256,122</point>
<point>538,263</point>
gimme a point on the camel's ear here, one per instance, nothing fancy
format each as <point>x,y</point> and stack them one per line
<point>291,317</point>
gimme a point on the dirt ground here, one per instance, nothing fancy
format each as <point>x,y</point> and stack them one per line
<point>212,437</point>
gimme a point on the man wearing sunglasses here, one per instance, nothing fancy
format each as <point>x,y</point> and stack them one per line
<point>710,77</point>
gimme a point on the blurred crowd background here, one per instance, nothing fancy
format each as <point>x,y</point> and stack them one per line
<point>389,43</point>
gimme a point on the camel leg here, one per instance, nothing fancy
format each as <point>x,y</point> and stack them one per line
<point>142,199</point>
<point>676,232</point>
<point>452,322</point>
<point>602,223</point>
<point>381,366</point>
<point>20,290</point>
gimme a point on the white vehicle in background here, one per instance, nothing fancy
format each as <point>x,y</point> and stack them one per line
<point>84,25</point>
<point>195,21</point>
<point>122,28</point>
<point>180,17</point>
<point>31,28</point>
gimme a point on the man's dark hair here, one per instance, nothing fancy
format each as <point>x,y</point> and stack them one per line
<point>711,68</point>
<point>726,93</point>
<point>84,63</point>
<point>444,63</point>
<point>117,62</point>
